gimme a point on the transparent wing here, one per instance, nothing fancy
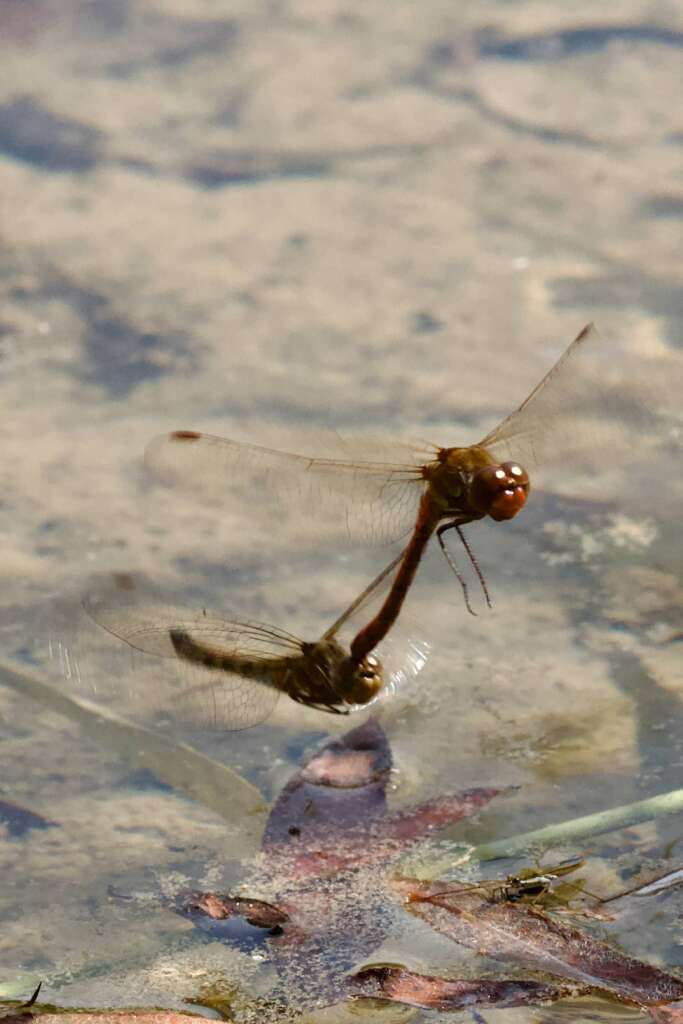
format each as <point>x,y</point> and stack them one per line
<point>117,603</point>
<point>601,410</point>
<point>115,649</point>
<point>360,608</point>
<point>403,657</point>
<point>533,417</point>
<point>368,489</point>
<point>160,695</point>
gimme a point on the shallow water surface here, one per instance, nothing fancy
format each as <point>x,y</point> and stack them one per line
<point>269,218</point>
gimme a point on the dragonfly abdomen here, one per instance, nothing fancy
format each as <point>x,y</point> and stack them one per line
<point>273,673</point>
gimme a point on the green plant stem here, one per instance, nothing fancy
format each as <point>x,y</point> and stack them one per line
<point>580,828</point>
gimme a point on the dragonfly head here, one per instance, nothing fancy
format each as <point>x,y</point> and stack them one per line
<point>363,681</point>
<point>499,491</point>
<point>358,682</point>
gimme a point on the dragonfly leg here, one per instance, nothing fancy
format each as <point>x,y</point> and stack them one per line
<point>586,892</point>
<point>451,561</point>
<point>317,705</point>
<point>454,524</point>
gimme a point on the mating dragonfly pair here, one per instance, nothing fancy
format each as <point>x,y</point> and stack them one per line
<point>239,668</point>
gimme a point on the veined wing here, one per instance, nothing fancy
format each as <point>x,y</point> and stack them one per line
<point>601,408</point>
<point>369,489</point>
<point>172,693</point>
<point>130,663</point>
<point>147,626</point>
<point>372,592</point>
<point>166,689</point>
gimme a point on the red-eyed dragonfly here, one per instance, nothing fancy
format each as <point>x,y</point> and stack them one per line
<point>213,671</point>
<point>583,407</point>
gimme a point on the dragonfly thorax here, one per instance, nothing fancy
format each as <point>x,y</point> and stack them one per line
<point>451,478</point>
<point>326,677</point>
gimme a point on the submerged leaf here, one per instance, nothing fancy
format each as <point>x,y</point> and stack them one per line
<point>332,815</point>
<point>325,848</point>
<point>142,1016</point>
<point>327,913</point>
<point>17,1015</point>
<point>670,1014</point>
<point>407,826</point>
<point>21,1014</point>
<point>520,934</point>
<point>402,986</point>
<point>340,785</point>
<point>212,904</point>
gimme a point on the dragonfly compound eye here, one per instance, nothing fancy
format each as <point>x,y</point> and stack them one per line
<point>500,491</point>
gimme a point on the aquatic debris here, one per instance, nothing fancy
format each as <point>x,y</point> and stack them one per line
<point>521,934</point>
<point>330,827</point>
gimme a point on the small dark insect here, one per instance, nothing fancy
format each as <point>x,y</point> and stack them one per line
<point>529,885</point>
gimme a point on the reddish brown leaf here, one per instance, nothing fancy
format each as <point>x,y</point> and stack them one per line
<point>410,825</point>
<point>330,821</point>
<point>340,786</point>
<point>523,935</point>
<point>331,817</point>
<point>402,986</point>
<point>122,1017</point>
<point>670,1014</point>
<point>20,1014</point>
<point>219,907</point>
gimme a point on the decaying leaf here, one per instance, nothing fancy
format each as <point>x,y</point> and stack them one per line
<point>520,934</point>
<point>330,896</point>
<point>22,1013</point>
<point>671,1014</point>
<point>399,985</point>
<point>332,815</point>
<point>121,1017</point>
<point>255,912</point>
<point>327,846</point>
